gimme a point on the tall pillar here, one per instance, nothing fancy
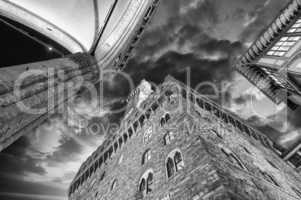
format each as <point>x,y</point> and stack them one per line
<point>29,93</point>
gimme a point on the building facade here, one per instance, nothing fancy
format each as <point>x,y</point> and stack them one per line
<point>272,63</point>
<point>175,144</point>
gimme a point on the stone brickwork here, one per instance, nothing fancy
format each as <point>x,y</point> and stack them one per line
<point>220,157</point>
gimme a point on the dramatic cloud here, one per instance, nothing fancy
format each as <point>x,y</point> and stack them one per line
<point>201,36</point>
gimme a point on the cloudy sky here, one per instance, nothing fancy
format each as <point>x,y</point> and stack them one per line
<point>201,35</point>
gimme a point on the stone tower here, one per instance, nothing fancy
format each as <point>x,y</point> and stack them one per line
<point>179,145</point>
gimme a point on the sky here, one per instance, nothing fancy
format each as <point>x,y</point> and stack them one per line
<point>204,36</point>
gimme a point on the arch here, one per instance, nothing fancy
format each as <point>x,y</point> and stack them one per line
<point>162,121</point>
<point>114,184</point>
<point>120,142</point>
<point>146,156</point>
<point>115,146</point>
<point>146,182</point>
<point>149,182</point>
<point>167,117</point>
<point>168,137</point>
<point>136,124</point>
<point>142,185</point>
<point>178,159</point>
<point>174,162</point>
<point>125,137</point>
<point>269,178</point>
<point>170,167</point>
<point>148,113</point>
<point>130,132</point>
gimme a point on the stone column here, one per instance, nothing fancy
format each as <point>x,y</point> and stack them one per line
<point>30,93</point>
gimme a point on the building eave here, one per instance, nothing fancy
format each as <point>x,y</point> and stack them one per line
<point>279,25</point>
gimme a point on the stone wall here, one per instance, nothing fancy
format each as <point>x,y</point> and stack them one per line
<point>220,162</point>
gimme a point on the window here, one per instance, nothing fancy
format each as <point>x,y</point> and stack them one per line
<point>100,161</point>
<point>130,132</point>
<point>174,163</point>
<point>141,120</point>
<point>115,146</point>
<point>168,137</point>
<point>213,130</point>
<point>146,183</point>
<point>148,113</point>
<point>170,167</point>
<point>165,119</point>
<point>296,28</point>
<point>272,164</point>
<point>114,184</point>
<point>125,137</point>
<point>269,178</point>
<point>155,107</point>
<point>136,124</point>
<point>233,158</point>
<point>149,183</point>
<point>178,161</point>
<point>142,185</point>
<point>147,134</point>
<point>246,150</point>
<point>162,121</point>
<point>283,46</point>
<point>146,156</point>
<point>120,142</point>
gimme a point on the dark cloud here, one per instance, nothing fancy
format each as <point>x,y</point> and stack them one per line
<point>67,151</point>
<point>263,16</point>
<point>17,162</point>
<point>270,129</point>
<point>180,37</point>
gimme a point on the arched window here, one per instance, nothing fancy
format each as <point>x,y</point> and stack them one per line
<point>167,117</point>
<point>142,185</point>
<point>174,162</point>
<point>168,137</point>
<point>269,178</point>
<point>141,120</point>
<point>120,142</point>
<point>125,137</point>
<point>148,113</point>
<point>130,132</point>
<point>162,121</point>
<point>115,146</point>
<point>146,156</point>
<point>146,183</point>
<point>149,183</point>
<point>178,161</point>
<point>170,168</point>
<point>114,184</point>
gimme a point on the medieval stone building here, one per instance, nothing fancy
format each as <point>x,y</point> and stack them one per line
<point>175,144</point>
